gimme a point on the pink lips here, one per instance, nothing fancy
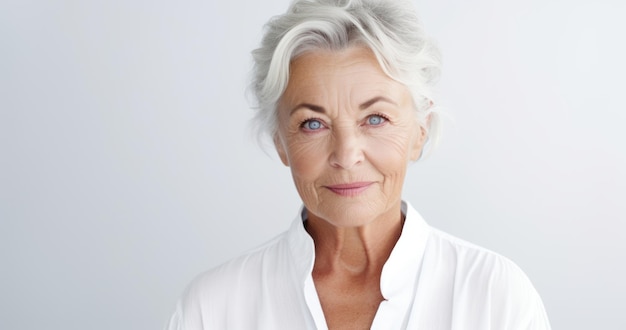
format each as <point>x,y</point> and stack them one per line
<point>349,189</point>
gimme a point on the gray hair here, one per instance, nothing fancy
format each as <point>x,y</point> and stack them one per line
<point>390,28</point>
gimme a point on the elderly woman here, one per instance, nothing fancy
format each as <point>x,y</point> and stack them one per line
<point>345,91</point>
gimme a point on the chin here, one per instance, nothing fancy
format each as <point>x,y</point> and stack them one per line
<point>347,214</point>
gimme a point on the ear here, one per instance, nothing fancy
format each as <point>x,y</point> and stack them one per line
<point>280,148</point>
<point>419,139</point>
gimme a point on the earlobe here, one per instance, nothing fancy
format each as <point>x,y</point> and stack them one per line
<point>418,143</point>
<point>419,140</point>
<point>280,149</point>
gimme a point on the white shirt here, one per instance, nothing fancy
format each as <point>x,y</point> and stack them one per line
<point>431,281</point>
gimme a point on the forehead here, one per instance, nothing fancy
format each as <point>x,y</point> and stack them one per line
<point>319,63</point>
<point>354,70</point>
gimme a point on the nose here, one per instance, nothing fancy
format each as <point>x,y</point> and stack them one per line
<point>347,148</point>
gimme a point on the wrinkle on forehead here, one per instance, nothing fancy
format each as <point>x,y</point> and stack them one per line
<point>338,79</point>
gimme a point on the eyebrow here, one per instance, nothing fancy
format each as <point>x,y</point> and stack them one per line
<point>309,106</point>
<point>376,99</point>
<point>363,105</point>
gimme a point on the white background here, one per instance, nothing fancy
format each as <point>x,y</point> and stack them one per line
<point>126,166</point>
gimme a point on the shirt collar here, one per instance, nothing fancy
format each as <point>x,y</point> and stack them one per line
<point>302,246</point>
<point>401,268</point>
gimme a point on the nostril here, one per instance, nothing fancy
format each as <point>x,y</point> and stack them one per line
<point>346,153</point>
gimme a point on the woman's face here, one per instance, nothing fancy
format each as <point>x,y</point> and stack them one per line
<point>348,132</point>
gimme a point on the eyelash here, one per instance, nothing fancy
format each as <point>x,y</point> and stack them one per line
<point>302,123</point>
<point>379,115</point>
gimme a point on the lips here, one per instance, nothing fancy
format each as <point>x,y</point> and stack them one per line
<point>349,189</point>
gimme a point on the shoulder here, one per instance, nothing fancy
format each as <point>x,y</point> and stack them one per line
<point>478,267</point>
<point>232,287</point>
<point>468,255</point>
<point>240,273</point>
<point>488,283</point>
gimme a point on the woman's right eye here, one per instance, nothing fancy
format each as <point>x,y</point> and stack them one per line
<point>312,125</point>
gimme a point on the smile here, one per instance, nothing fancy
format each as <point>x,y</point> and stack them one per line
<point>349,189</point>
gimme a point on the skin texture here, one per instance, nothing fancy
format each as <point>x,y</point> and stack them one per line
<point>348,132</point>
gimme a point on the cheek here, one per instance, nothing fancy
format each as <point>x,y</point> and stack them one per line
<point>306,157</point>
<point>389,154</point>
<point>390,146</point>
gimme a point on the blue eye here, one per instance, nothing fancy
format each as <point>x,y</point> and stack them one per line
<point>312,124</point>
<point>375,120</point>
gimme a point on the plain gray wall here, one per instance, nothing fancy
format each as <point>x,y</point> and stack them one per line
<point>126,166</point>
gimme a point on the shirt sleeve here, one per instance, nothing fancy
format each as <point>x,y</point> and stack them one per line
<point>515,303</point>
<point>175,321</point>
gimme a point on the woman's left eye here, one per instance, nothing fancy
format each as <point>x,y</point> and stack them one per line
<point>375,120</point>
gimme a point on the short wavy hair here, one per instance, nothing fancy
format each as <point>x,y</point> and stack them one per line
<point>389,28</point>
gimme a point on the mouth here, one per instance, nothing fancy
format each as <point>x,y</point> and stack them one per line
<point>349,189</point>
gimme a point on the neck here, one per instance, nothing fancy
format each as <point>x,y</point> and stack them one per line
<point>356,251</point>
